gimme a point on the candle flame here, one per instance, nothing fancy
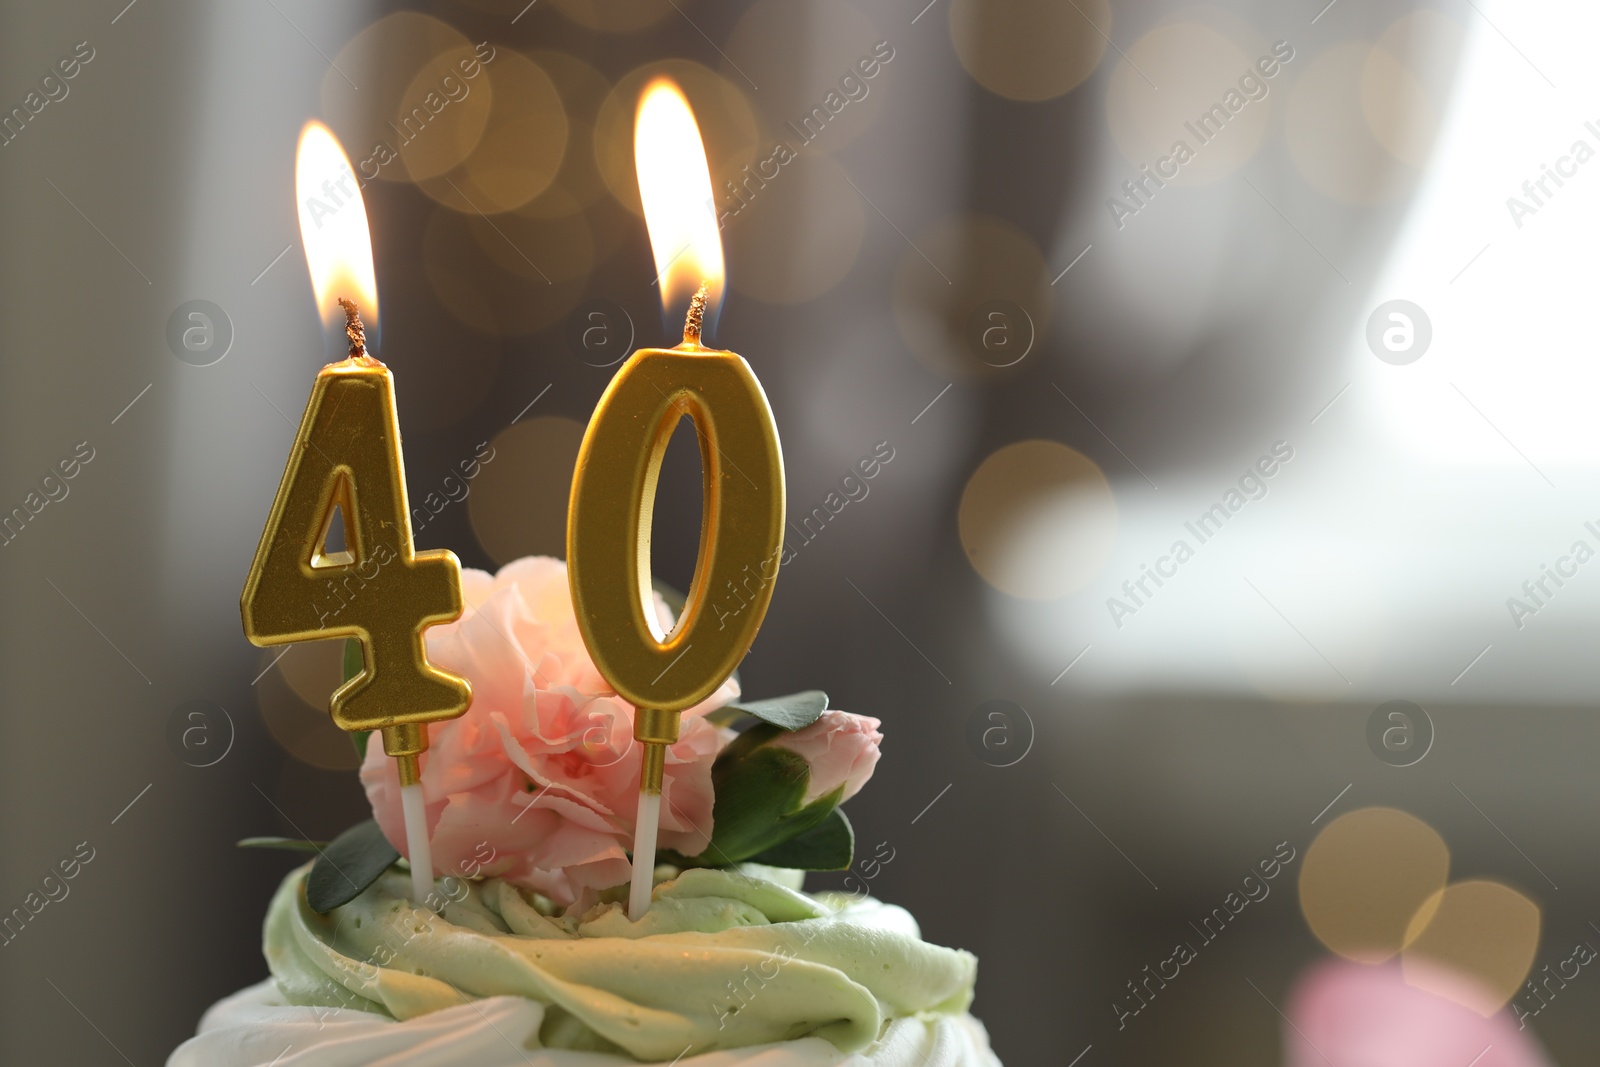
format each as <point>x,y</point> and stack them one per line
<point>675,186</point>
<point>333,228</point>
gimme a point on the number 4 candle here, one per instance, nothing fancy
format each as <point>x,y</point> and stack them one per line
<point>346,457</point>
<point>613,487</point>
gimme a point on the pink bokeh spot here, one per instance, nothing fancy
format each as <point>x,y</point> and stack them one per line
<point>1355,1015</point>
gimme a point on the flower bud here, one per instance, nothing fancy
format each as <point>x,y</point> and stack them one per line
<point>840,748</point>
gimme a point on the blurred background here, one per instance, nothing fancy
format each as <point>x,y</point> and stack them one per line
<point>1234,362</point>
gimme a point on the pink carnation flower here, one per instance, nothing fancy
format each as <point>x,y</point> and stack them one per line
<point>538,782</point>
<point>841,748</point>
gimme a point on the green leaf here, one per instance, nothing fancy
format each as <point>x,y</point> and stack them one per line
<point>828,846</point>
<point>286,844</point>
<point>758,791</point>
<point>792,712</point>
<point>753,795</point>
<point>354,661</point>
<point>353,861</point>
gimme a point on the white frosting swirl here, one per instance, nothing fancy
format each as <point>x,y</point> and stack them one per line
<point>257,1028</point>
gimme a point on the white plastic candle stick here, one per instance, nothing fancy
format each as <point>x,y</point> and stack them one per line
<point>417,843</point>
<point>644,854</point>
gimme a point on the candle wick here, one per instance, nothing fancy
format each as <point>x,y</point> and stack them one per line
<point>697,316</point>
<point>353,328</point>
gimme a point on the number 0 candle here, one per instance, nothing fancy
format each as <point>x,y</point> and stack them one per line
<point>613,487</point>
<point>346,458</point>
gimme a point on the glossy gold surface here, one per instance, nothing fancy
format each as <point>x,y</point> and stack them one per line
<point>741,527</point>
<point>377,589</point>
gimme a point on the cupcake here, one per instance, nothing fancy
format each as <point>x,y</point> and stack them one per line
<point>525,955</point>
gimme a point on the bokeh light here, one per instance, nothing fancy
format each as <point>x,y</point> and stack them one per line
<point>1195,66</point>
<point>1037,520</point>
<point>1405,86</point>
<point>582,90</point>
<point>521,147</point>
<point>313,669</point>
<point>1473,942</point>
<point>294,704</point>
<point>1368,878</point>
<point>1351,1015</point>
<point>397,62</point>
<point>1029,49</point>
<point>1330,137</point>
<point>443,113</point>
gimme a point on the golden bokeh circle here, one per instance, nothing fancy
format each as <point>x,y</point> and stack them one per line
<point>1405,86</point>
<point>958,268</point>
<point>616,16</point>
<point>385,72</point>
<point>728,126</point>
<point>827,74</point>
<point>1196,67</point>
<point>1473,942</point>
<point>1029,49</point>
<point>796,237</point>
<point>1330,139</point>
<point>1037,520</point>
<point>314,669</point>
<point>303,728</point>
<point>1365,879</point>
<point>582,90</point>
<point>518,505</point>
<point>521,148</point>
<point>506,275</point>
<point>444,114</point>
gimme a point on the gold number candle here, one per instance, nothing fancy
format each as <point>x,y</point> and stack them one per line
<point>614,485</point>
<point>346,458</point>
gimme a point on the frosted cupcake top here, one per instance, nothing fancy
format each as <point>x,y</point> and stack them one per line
<point>723,960</point>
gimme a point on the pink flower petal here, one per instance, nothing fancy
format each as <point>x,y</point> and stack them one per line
<point>542,772</point>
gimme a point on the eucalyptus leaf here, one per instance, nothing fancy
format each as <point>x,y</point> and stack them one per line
<point>354,662</point>
<point>828,846</point>
<point>792,712</point>
<point>350,863</point>
<point>727,715</point>
<point>285,844</point>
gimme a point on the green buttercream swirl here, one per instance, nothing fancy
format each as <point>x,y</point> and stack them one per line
<point>722,960</point>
